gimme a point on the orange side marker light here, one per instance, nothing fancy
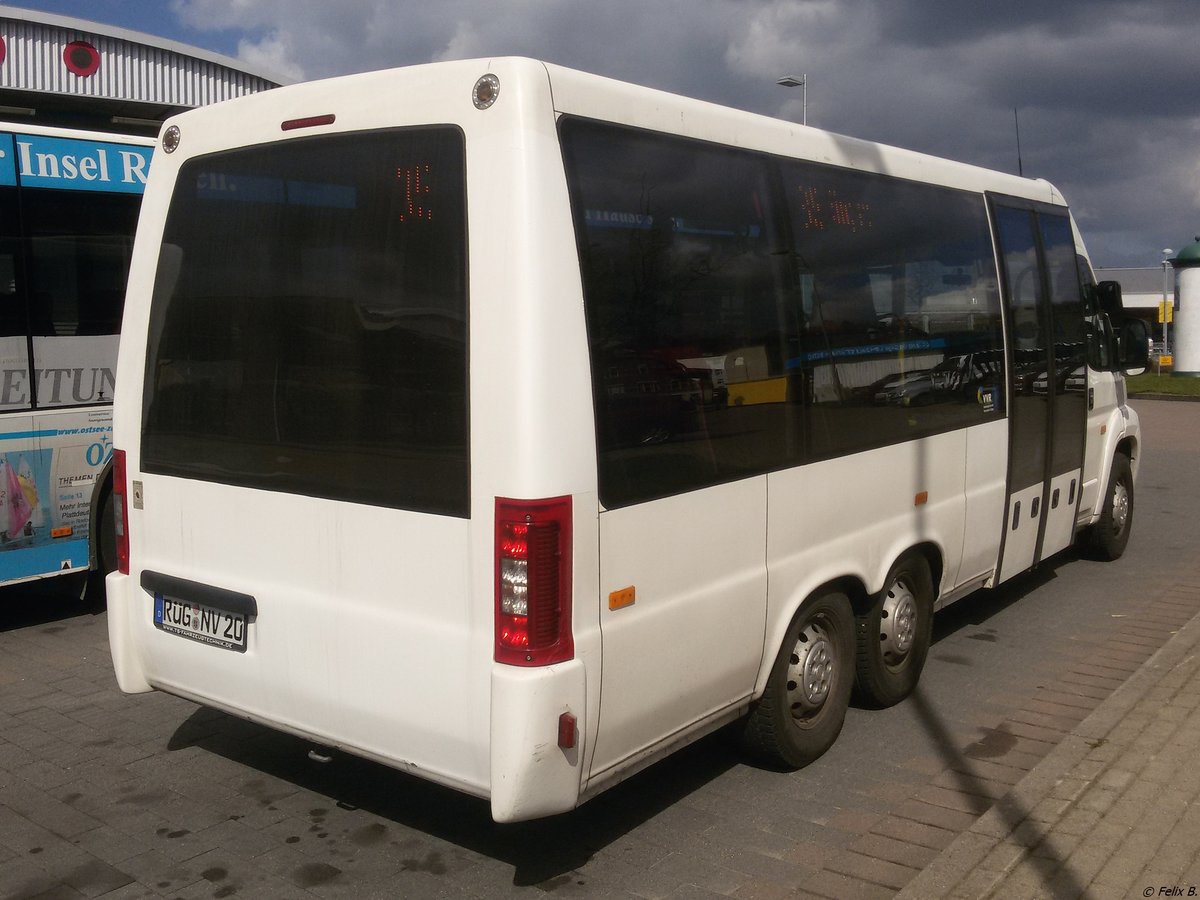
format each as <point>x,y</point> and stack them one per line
<point>622,598</point>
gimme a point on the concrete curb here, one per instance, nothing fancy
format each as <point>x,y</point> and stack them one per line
<point>1148,395</point>
<point>1009,820</point>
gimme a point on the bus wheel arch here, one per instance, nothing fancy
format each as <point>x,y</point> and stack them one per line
<point>894,630</point>
<point>801,711</point>
<point>102,537</point>
<point>1128,447</point>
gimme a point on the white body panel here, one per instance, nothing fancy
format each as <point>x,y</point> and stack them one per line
<point>985,492</point>
<point>375,627</point>
<point>858,516</point>
<point>1060,517</point>
<point>351,644</point>
<point>697,561</point>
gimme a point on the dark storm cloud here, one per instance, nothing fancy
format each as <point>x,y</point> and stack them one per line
<point>1104,89</point>
<point>946,22</point>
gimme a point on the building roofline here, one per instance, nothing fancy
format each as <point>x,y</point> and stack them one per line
<point>87,26</point>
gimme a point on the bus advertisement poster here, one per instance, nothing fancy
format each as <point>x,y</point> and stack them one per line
<point>46,492</point>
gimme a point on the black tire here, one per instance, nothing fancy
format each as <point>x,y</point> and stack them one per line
<point>95,594</point>
<point>893,636</point>
<point>791,725</point>
<point>1110,535</point>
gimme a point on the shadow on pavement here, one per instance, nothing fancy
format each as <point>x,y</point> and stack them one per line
<point>1013,813</point>
<point>40,602</point>
<point>542,852</point>
<point>977,608</point>
<point>545,852</point>
<point>972,612</point>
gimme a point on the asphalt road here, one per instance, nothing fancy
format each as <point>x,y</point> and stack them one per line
<point>107,795</point>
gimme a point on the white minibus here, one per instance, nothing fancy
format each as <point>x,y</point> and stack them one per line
<point>514,426</point>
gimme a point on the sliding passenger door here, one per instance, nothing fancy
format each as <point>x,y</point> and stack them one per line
<point>1047,381</point>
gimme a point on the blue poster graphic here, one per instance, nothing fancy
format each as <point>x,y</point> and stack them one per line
<point>8,161</point>
<point>72,164</point>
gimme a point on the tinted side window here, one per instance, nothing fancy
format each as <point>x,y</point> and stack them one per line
<point>1022,274</point>
<point>1101,341</point>
<point>15,391</point>
<point>1069,340</point>
<point>746,313</point>
<point>895,323</point>
<point>79,247</point>
<point>309,326</point>
<point>682,278</point>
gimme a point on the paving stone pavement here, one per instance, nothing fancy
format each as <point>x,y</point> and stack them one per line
<point>1082,788</point>
<point>1111,812</point>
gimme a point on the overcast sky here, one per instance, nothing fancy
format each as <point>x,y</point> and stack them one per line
<point>1107,91</point>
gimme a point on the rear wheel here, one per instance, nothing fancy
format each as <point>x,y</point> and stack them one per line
<point>894,635</point>
<point>1110,534</point>
<point>802,709</point>
<point>95,595</point>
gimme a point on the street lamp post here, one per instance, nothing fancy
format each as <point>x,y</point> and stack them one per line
<point>800,82</point>
<point>1166,263</point>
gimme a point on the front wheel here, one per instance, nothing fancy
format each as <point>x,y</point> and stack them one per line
<point>1110,534</point>
<point>894,635</point>
<point>802,709</point>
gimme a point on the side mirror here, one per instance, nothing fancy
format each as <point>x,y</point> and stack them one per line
<point>1133,346</point>
<point>1108,298</point>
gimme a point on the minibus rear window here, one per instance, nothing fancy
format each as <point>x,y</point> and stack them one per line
<point>308,332</point>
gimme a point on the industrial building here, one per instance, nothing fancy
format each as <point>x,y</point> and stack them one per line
<point>72,73</point>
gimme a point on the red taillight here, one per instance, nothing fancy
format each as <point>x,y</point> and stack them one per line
<point>120,511</point>
<point>533,581</point>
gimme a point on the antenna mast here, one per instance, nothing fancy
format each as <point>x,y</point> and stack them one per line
<point>1017,123</point>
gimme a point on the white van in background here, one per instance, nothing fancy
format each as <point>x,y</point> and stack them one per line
<point>514,426</point>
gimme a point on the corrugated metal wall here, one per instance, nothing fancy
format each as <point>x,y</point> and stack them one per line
<point>127,71</point>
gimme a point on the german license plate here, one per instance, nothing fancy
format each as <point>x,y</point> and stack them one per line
<point>198,622</point>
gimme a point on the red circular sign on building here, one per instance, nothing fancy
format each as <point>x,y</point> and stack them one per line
<point>81,58</point>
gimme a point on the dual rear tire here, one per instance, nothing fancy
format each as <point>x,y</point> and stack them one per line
<point>804,705</point>
<point>894,634</point>
<point>829,653</point>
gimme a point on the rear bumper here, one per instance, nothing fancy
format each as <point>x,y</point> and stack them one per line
<point>531,775</point>
<point>131,677</point>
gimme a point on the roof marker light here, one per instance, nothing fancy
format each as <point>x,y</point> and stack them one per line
<point>485,92</point>
<point>310,122</point>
